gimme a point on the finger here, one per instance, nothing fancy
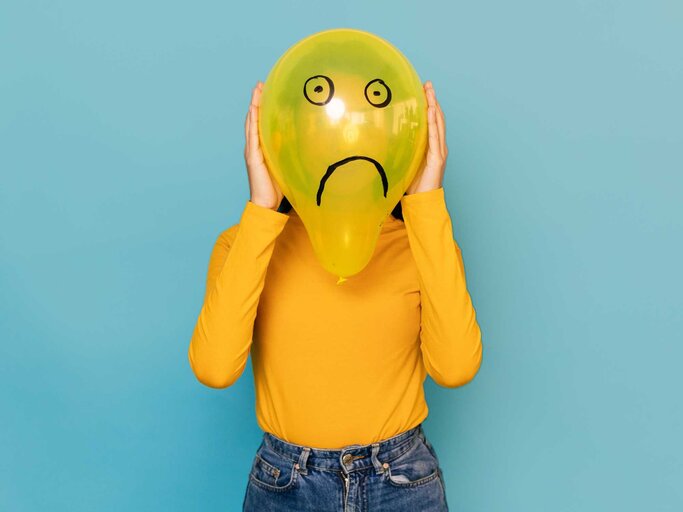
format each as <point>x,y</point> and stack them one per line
<point>441,124</point>
<point>434,145</point>
<point>249,122</point>
<point>256,99</point>
<point>431,99</point>
<point>253,131</point>
<point>254,93</point>
<point>246,126</point>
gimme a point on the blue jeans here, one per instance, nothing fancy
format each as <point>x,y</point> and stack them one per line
<point>401,473</point>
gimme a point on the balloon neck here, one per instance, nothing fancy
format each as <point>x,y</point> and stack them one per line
<point>341,280</point>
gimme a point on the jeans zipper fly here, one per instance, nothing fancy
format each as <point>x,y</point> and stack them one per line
<point>346,487</point>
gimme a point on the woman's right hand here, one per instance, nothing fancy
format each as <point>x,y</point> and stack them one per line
<point>263,189</point>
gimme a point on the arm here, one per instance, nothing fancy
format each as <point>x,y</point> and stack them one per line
<point>222,336</point>
<point>449,332</point>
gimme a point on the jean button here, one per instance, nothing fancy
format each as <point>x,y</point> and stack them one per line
<point>347,458</point>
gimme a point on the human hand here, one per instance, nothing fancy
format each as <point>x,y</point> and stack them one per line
<point>430,175</point>
<point>263,189</point>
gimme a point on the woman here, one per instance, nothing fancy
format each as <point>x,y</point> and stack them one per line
<point>339,370</point>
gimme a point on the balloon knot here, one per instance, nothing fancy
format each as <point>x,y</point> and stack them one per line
<point>341,280</point>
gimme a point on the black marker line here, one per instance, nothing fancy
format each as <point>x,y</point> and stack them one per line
<point>336,165</point>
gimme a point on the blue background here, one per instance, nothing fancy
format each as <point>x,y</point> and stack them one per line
<point>121,132</point>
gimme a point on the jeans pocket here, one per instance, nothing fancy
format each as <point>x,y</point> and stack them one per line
<point>417,466</point>
<point>271,471</point>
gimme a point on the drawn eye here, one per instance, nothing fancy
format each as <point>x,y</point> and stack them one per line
<point>378,93</point>
<point>319,90</point>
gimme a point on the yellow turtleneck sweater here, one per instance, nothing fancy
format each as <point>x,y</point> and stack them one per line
<point>338,364</point>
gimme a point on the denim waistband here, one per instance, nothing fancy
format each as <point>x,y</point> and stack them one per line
<point>349,458</point>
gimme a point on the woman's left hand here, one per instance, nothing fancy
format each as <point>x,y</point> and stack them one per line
<point>430,174</point>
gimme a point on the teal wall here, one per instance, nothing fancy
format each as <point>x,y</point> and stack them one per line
<point>121,137</point>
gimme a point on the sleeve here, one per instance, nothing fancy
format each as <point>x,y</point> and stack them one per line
<point>449,333</point>
<point>222,336</point>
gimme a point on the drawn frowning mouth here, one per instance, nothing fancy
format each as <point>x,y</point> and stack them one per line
<point>337,165</point>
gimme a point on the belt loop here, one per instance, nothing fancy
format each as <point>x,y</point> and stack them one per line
<point>379,469</point>
<point>303,459</point>
<point>421,432</point>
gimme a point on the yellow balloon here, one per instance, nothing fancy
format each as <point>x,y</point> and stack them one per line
<point>343,129</point>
